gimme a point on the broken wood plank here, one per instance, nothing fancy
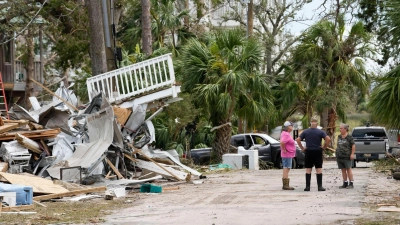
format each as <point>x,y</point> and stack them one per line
<point>1,121</point>
<point>150,159</point>
<point>20,122</point>
<point>71,193</point>
<point>114,169</point>
<point>37,134</point>
<point>16,208</point>
<point>122,114</point>
<point>28,143</point>
<point>130,157</point>
<point>388,209</point>
<point>165,171</point>
<point>3,166</point>
<point>170,188</point>
<point>35,126</point>
<point>46,148</point>
<point>39,185</point>
<point>8,126</point>
<point>386,204</point>
<point>52,93</point>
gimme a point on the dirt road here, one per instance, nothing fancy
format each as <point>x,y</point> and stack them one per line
<point>256,197</point>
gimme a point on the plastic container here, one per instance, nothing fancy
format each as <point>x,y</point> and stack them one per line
<point>155,189</point>
<point>145,188</point>
<point>24,194</point>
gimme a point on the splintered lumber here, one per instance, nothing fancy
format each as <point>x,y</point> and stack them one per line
<point>16,208</point>
<point>114,169</point>
<point>122,114</point>
<point>388,209</point>
<point>39,185</point>
<point>1,121</point>
<point>28,143</point>
<point>52,93</point>
<point>20,122</point>
<point>35,126</point>
<point>150,159</point>
<point>3,166</point>
<point>8,126</point>
<point>45,147</point>
<point>35,134</point>
<point>70,193</point>
<point>130,158</point>
<point>170,188</point>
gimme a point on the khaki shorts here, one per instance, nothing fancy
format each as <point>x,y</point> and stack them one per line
<point>344,163</point>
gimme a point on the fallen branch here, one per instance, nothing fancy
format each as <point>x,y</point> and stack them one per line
<point>220,126</point>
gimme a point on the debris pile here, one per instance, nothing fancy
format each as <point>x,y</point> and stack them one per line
<point>106,144</point>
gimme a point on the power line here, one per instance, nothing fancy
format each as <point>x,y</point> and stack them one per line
<point>26,27</point>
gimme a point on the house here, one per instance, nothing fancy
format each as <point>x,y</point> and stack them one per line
<point>14,73</point>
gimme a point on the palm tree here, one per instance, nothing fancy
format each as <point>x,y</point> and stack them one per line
<point>331,63</point>
<point>223,74</point>
<point>385,97</point>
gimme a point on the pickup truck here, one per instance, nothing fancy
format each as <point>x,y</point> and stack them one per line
<point>371,143</point>
<point>268,149</point>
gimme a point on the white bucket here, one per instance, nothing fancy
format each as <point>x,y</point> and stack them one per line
<point>119,192</point>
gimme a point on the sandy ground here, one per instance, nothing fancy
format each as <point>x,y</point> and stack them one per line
<point>256,197</point>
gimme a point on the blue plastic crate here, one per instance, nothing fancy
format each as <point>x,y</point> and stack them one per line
<point>24,194</point>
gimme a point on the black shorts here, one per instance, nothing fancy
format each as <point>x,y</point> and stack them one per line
<point>313,158</point>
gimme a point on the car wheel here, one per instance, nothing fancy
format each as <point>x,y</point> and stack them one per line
<point>278,162</point>
<point>294,163</point>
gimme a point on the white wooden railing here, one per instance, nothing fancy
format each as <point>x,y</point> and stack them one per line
<point>139,78</point>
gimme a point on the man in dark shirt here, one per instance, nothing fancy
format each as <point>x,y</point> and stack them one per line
<point>313,152</point>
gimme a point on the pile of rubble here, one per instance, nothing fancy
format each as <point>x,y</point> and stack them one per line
<point>98,144</point>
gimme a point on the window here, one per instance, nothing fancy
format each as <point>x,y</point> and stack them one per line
<point>369,133</point>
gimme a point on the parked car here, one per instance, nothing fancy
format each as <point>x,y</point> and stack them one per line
<point>371,143</point>
<point>268,149</point>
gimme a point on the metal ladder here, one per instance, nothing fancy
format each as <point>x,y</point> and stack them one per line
<point>3,101</point>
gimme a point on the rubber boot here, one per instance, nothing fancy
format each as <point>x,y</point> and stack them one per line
<point>345,184</point>
<point>286,182</point>
<point>319,182</point>
<point>308,182</point>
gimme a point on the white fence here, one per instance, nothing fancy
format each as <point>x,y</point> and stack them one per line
<point>124,83</point>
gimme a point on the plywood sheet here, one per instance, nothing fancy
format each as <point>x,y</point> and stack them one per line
<point>40,185</point>
<point>122,114</point>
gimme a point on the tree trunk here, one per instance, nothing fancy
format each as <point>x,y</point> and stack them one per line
<point>29,69</point>
<point>324,118</point>
<point>186,18</point>
<point>221,143</point>
<point>97,45</point>
<point>250,18</point>
<point>146,28</point>
<point>269,60</point>
<point>331,129</point>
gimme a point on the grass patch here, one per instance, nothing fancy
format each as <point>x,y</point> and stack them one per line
<point>381,219</point>
<point>385,165</point>
<point>88,212</point>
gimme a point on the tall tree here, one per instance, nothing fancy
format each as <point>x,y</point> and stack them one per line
<point>333,62</point>
<point>97,45</point>
<point>223,74</point>
<point>146,28</point>
<point>385,100</point>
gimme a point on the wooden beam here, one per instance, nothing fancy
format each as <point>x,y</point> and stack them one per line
<point>130,157</point>
<point>70,193</point>
<point>5,167</point>
<point>114,169</point>
<point>52,93</point>
<point>8,126</point>
<point>150,159</point>
<point>16,208</point>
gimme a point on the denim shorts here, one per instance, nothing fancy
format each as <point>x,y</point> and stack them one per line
<point>287,163</point>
